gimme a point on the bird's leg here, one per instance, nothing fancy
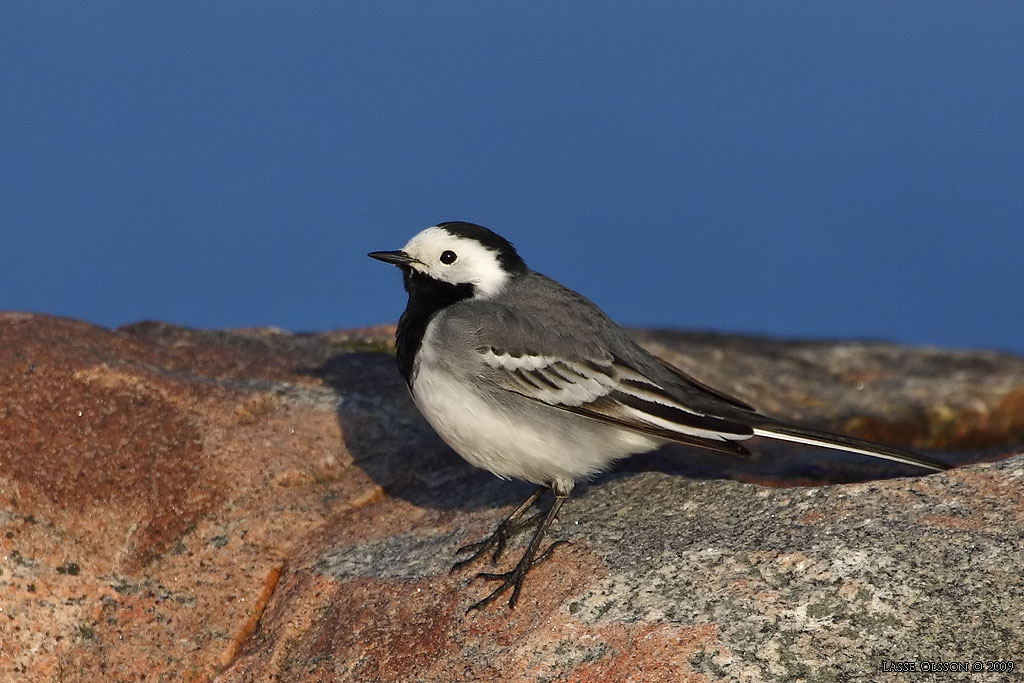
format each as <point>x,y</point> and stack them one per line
<point>499,538</point>
<point>514,579</point>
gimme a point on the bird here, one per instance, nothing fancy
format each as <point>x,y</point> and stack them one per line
<point>525,378</point>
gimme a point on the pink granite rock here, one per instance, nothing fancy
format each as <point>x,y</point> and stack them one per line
<point>255,505</point>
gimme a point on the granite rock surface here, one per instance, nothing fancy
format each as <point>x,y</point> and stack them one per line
<point>254,505</point>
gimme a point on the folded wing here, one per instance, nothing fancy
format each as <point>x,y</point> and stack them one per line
<point>609,390</point>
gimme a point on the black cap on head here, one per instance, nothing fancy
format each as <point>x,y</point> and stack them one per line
<point>507,254</point>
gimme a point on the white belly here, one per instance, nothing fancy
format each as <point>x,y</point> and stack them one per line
<point>519,438</point>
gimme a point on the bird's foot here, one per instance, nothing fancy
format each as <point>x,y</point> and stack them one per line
<point>498,541</point>
<point>514,578</point>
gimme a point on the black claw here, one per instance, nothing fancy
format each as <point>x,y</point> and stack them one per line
<point>516,589</point>
<point>477,549</point>
<point>513,579</point>
<point>486,601</point>
<point>469,547</point>
<point>459,565</point>
<point>544,555</point>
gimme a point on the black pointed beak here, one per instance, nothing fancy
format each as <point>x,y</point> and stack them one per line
<point>397,258</point>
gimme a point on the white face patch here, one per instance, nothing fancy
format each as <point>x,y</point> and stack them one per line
<point>457,260</point>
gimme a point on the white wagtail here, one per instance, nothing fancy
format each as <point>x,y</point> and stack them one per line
<point>529,380</point>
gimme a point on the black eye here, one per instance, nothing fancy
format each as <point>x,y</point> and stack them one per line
<point>448,257</point>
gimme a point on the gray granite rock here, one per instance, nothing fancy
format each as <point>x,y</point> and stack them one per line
<point>672,578</point>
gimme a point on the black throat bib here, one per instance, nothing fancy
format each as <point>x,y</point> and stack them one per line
<point>427,296</point>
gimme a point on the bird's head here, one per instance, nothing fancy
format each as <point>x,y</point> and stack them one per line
<point>458,254</point>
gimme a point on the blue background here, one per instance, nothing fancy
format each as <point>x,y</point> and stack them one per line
<point>811,169</point>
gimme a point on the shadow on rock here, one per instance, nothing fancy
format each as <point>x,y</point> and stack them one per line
<point>392,443</point>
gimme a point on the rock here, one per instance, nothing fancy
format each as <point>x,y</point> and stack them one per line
<point>257,505</point>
